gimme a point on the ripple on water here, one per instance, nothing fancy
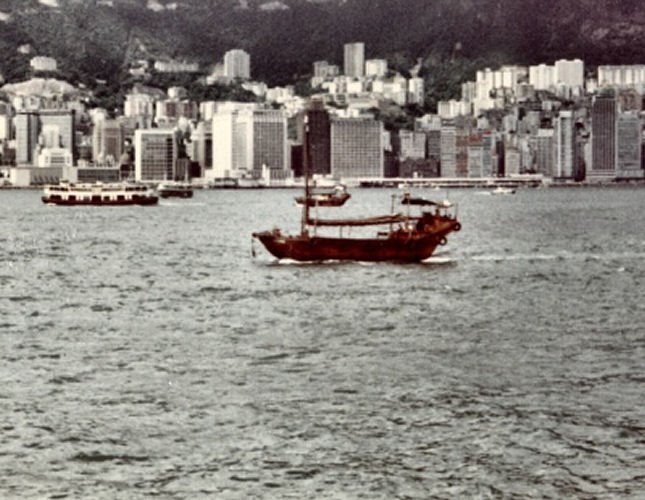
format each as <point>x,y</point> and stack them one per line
<point>147,354</point>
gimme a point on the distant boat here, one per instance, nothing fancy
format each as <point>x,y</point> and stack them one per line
<point>503,190</point>
<point>100,194</point>
<point>329,198</point>
<point>175,189</point>
<point>223,183</point>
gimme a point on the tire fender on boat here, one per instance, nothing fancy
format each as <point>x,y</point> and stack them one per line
<point>443,241</point>
<point>456,227</point>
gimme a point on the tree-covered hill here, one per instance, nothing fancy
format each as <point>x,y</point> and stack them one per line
<point>96,39</point>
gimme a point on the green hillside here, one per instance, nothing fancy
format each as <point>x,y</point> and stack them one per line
<point>96,39</point>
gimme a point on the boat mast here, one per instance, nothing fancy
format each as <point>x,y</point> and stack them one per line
<point>307,158</point>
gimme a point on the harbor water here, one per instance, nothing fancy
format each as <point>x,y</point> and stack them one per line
<point>146,353</point>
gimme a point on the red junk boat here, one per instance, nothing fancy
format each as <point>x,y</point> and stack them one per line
<point>402,237</point>
<point>408,238</point>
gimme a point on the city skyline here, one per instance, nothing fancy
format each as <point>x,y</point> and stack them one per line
<point>468,148</point>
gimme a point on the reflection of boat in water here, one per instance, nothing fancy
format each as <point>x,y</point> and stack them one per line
<point>330,198</point>
<point>503,190</point>
<point>175,189</point>
<point>404,238</point>
<point>111,194</point>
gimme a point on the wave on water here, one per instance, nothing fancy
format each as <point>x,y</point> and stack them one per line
<point>439,261</point>
<point>560,256</point>
<point>182,204</point>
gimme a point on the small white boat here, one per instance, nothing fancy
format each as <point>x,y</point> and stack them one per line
<point>503,190</point>
<point>175,189</point>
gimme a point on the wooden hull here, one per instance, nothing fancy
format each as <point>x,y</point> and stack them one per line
<point>403,247</point>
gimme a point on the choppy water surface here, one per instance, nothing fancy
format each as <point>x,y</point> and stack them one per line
<point>144,352</point>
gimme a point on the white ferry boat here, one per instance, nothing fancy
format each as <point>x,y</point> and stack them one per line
<point>122,193</point>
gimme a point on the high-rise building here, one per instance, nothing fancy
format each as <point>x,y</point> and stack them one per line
<point>629,99</point>
<point>314,133</point>
<point>322,72</point>
<point>565,145</point>
<point>545,152</point>
<point>416,90</point>
<point>570,73</point>
<point>27,129</point>
<point>155,155</point>
<point>433,145</point>
<point>59,128</point>
<point>269,140</point>
<point>454,148</point>
<point>354,61</point>
<point>413,144</point>
<point>603,136</point>
<point>480,155</point>
<point>169,111</point>
<point>475,156</point>
<point>512,161</point>
<point>322,69</point>
<point>542,77</point>
<point>107,142</point>
<point>5,121</point>
<point>622,76</point>
<point>376,67</point>
<point>202,142</point>
<point>248,141</point>
<point>357,148</point>
<point>489,156</point>
<point>237,64</point>
<point>628,146</point>
<point>140,104</point>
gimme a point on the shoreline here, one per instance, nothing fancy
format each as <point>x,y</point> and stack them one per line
<point>580,185</point>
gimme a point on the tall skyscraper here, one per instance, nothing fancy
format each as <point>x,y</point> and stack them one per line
<point>237,64</point>
<point>27,129</point>
<point>269,141</point>
<point>155,155</point>
<point>356,148</point>
<point>565,145</point>
<point>5,121</point>
<point>603,136</point>
<point>542,77</point>
<point>628,146</point>
<point>475,156</point>
<point>448,149</point>
<point>545,152</point>
<point>354,61</point>
<point>314,133</point>
<point>246,141</point>
<point>202,142</point>
<point>107,142</point>
<point>58,127</point>
<point>454,148</point>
